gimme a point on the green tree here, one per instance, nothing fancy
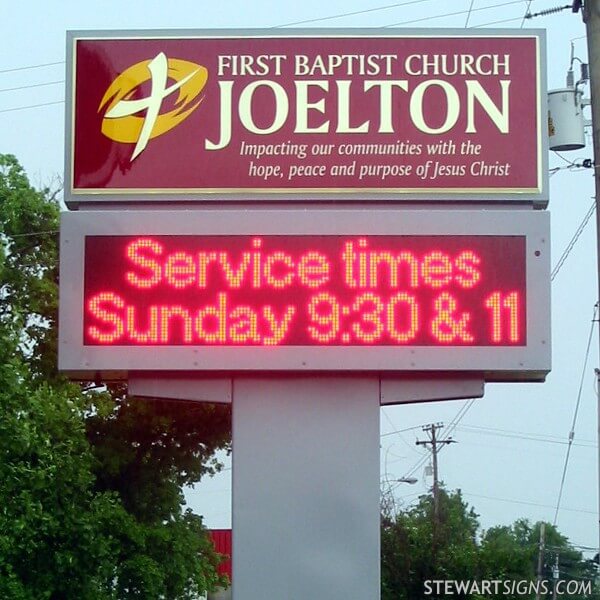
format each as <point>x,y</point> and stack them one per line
<point>503,556</point>
<point>512,553</point>
<point>146,451</point>
<point>28,267</point>
<point>52,540</point>
<point>91,500</point>
<point>462,552</point>
<point>409,556</point>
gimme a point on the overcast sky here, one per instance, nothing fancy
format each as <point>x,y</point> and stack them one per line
<point>512,443</point>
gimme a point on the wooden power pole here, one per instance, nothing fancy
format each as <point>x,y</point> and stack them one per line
<point>435,443</point>
<point>540,564</point>
<point>591,17</point>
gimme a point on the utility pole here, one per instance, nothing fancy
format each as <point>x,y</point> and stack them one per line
<point>540,564</point>
<point>591,18</point>
<point>555,575</point>
<point>435,444</point>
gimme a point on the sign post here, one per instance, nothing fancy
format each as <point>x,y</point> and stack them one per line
<point>307,224</point>
<point>306,487</point>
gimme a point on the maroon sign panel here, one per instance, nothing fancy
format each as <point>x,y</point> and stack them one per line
<point>305,290</point>
<point>395,115</point>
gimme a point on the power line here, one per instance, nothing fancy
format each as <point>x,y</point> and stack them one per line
<point>523,433</point>
<point>578,510</point>
<point>584,164</point>
<point>573,241</point>
<point>387,417</point>
<point>585,547</point>
<point>572,432</point>
<point>520,436</point>
<point>455,421</point>
<point>33,85</point>
<point>60,62</point>
<point>454,14</point>
<point>34,233</point>
<point>526,13</point>
<point>466,407</point>
<point>469,13</point>
<point>351,14</point>
<point>564,158</point>
<point>386,479</point>
<point>495,22</point>
<point>418,465</point>
<point>5,110</point>
<point>535,504</point>
<point>399,430</point>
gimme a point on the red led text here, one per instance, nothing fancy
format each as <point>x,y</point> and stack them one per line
<point>305,290</point>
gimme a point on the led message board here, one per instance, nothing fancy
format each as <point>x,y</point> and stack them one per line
<point>416,291</point>
<point>304,290</point>
<point>314,115</point>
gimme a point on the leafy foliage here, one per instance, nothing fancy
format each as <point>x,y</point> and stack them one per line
<point>28,266</point>
<point>410,556</point>
<point>91,498</point>
<point>413,552</point>
<point>52,525</point>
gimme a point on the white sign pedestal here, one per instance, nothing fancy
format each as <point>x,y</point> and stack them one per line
<point>306,488</point>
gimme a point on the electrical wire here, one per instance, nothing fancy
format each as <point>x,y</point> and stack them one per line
<point>574,167</point>
<point>383,411</point>
<point>385,479</point>
<point>495,22</point>
<point>518,437</point>
<point>469,13</point>
<point>412,447</point>
<point>385,462</point>
<point>60,62</point>
<point>33,85</point>
<point>466,407</point>
<point>396,458</point>
<point>572,431</point>
<point>571,244</point>
<point>578,510</point>
<point>526,13</point>
<point>512,433</point>
<point>351,14</point>
<point>400,431</point>
<point>34,233</point>
<point>454,14</point>
<point>5,110</point>
<point>585,547</point>
<point>418,465</point>
<point>563,158</point>
<point>534,437</point>
<point>455,421</point>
